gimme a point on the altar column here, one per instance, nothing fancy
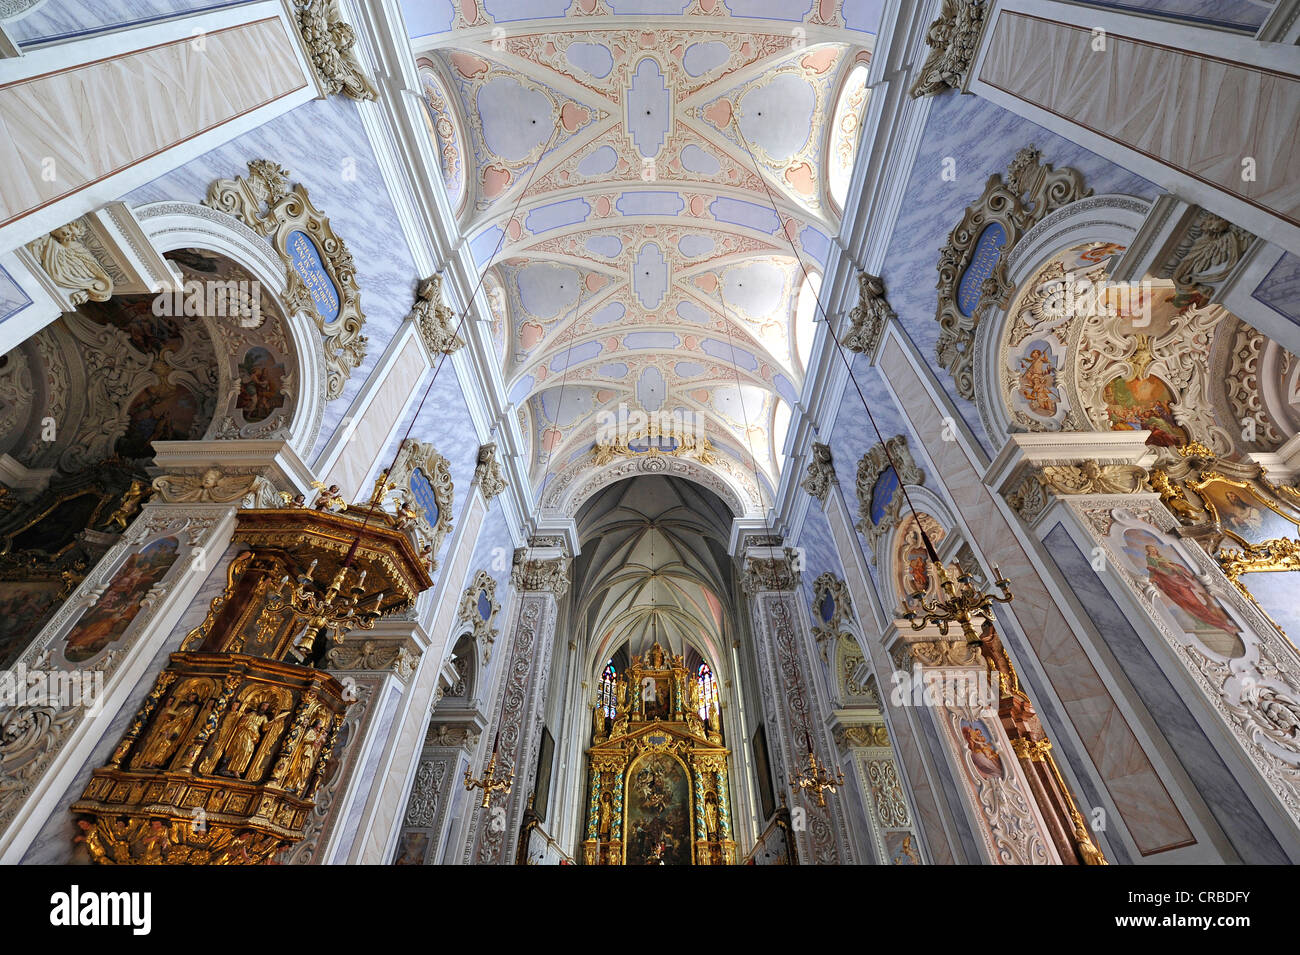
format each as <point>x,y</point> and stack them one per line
<point>540,577</point>
<point>783,645</point>
<point>701,829</point>
<point>591,846</point>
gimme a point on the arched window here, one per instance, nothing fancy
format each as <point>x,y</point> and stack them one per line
<point>708,689</point>
<point>607,680</point>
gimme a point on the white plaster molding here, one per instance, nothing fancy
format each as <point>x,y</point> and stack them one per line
<point>112,44</point>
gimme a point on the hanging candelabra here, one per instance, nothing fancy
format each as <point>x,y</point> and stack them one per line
<point>816,777</point>
<point>962,600</point>
<point>336,611</point>
<point>490,782</point>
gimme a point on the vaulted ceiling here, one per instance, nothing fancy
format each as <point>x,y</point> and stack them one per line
<point>615,169</point>
<point>654,566</point>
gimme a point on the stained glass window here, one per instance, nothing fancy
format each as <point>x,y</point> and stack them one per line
<point>607,680</point>
<point>708,689</point>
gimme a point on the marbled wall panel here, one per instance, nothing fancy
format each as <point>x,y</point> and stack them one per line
<point>1241,17</point>
<point>981,139</point>
<point>1180,107</point>
<point>853,436</point>
<point>1137,790</point>
<point>53,844</point>
<point>444,422</point>
<point>493,552</point>
<point>1213,780</point>
<point>819,550</point>
<point>66,19</point>
<point>1280,289</point>
<point>371,434</point>
<point>343,179</point>
<point>129,108</point>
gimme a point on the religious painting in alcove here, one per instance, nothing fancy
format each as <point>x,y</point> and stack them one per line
<point>121,601</point>
<point>658,814</point>
<point>1197,611</point>
<point>1144,402</point>
<point>150,334</point>
<point>160,412</point>
<point>1037,378</point>
<point>1244,512</point>
<point>261,385</point>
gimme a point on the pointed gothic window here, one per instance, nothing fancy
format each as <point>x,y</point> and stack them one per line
<point>708,689</point>
<point>607,680</point>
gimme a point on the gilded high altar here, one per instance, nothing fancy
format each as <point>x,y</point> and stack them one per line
<point>657,787</point>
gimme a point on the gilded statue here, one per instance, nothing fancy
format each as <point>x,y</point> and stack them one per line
<point>250,729</point>
<point>129,505</point>
<point>168,732</point>
<point>711,814</point>
<point>312,741</point>
<point>620,694</point>
<point>606,813</point>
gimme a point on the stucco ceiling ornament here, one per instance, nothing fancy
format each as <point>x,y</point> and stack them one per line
<point>953,39</point>
<point>1089,477</point>
<point>685,444</point>
<point>878,516</point>
<point>421,480</point>
<point>320,272</point>
<point>331,41</point>
<point>216,486</point>
<point>1205,256</point>
<point>772,574</point>
<point>972,266</point>
<point>72,266</point>
<point>869,316</point>
<point>542,574</point>
<point>821,472</point>
<point>479,608</point>
<point>1172,359</point>
<point>434,319</point>
<point>488,477</point>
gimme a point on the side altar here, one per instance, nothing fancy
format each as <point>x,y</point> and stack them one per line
<point>657,789</point>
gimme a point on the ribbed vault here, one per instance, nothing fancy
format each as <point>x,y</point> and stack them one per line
<point>654,566</point>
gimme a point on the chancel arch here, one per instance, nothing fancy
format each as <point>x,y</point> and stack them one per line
<point>655,603</point>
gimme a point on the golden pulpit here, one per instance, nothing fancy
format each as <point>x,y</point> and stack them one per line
<point>658,772</point>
